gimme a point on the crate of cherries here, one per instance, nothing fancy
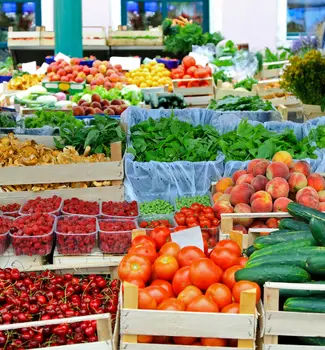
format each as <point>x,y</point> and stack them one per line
<point>76,206</point>
<point>11,209</point>
<point>76,234</point>
<point>5,225</point>
<point>32,234</point>
<point>121,210</point>
<point>115,235</point>
<point>51,205</point>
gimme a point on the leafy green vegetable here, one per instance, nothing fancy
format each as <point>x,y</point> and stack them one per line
<point>7,120</point>
<point>51,118</point>
<point>221,75</point>
<point>182,202</point>
<point>101,133</point>
<point>169,140</point>
<point>317,135</point>
<point>246,84</point>
<point>235,103</point>
<point>283,54</point>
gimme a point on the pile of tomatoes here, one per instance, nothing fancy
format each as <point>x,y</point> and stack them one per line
<point>190,70</point>
<point>187,279</point>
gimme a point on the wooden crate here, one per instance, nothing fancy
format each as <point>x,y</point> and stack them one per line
<point>282,323</point>
<point>47,38</point>
<point>267,73</point>
<point>312,111</point>
<point>93,35</point>
<point>303,111</point>
<point>124,37</point>
<point>31,38</point>
<point>264,88</point>
<point>195,324</point>
<point>221,92</point>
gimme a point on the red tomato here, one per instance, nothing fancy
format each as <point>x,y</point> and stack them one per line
<point>170,248</point>
<point>224,257</point>
<point>187,211</point>
<point>146,250</point>
<point>242,261</point>
<point>191,220</point>
<point>245,285</point>
<point>188,294</point>
<point>138,283</point>
<point>180,218</point>
<point>184,340</point>
<point>143,239</point>
<point>180,228</point>
<point>186,76</point>
<point>188,61</point>
<point>215,222</point>
<point>158,293</point>
<point>232,308</point>
<point>208,69</point>
<point>231,245</point>
<point>165,267</point>
<point>191,70</point>
<point>202,303</point>
<point>145,339</point>
<point>220,294</point>
<point>228,277</point>
<point>145,300</point>
<point>201,73</point>
<point>205,223</point>
<point>204,272</point>
<point>166,285</point>
<point>213,342</point>
<point>194,83</point>
<point>134,267</point>
<point>181,279</point>
<point>172,304</point>
<point>160,236</point>
<point>189,254</point>
<point>196,206</point>
<point>161,339</point>
<point>206,210</point>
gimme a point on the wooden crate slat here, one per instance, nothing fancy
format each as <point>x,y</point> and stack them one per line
<point>130,346</point>
<point>292,347</point>
<point>99,345</point>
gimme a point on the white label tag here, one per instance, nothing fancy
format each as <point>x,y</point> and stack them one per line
<point>29,67</point>
<point>189,237</point>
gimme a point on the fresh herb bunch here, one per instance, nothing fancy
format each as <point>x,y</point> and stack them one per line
<point>51,118</point>
<point>221,75</point>
<point>7,120</point>
<point>317,135</point>
<point>246,83</point>
<point>169,140</point>
<point>304,44</point>
<point>281,55</point>
<point>249,142</point>
<point>305,78</point>
<point>99,135</point>
<point>236,103</point>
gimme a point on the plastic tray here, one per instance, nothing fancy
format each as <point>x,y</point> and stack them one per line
<point>49,59</point>
<point>85,215</point>
<point>88,63</point>
<point>106,216</point>
<point>56,212</point>
<point>4,242</point>
<point>14,214</point>
<point>115,242</point>
<point>169,63</point>
<point>75,243</point>
<point>5,78</point>
<point>169,217</point>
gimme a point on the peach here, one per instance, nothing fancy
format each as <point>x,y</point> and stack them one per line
<point>228,190</point>
<point>243,208</point>
<point>222,207</point>
<point>309,201</point>
<point>306,190</point>
<point>262,195</point>
<point>260,167</point>
<point>240,228</point>
<point>259,205</point>
<point>284,157</point>
<point>223,184</point>
<point>281,204</point>
<point>301,167</point>
<point>225,198</point>
<point>277,169</point>
<point>237,174</point>
<point>272,223</point>
<point>297,181</point>
<point>252,164</point>
<point>241,193</point>
<point>321,196</point>
<point>258,224</point>
<point>216,196</point>
<point>259,182</point>
<point>277,187</point>
<point>247,178</point>
<point>316,181</point>
<point>321,206</point>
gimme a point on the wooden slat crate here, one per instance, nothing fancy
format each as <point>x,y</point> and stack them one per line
<point>124,37</point>
<point>306,112</point>
<point>93,35</point>
<point>221,92</point>
<point>267,73</point>
<point>268,87</point>
<point>47,38</point>
<point>31,38</point>
<point>282,323</point>
<point>195,324</point>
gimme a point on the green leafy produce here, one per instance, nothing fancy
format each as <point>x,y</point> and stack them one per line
<point>188,201</point>
<point>221,75</point>
<point>246,84</point>
<point>99,135</point>
<point>236,103</point>
<point>169,140</point>
<point>318,136</point>
<point>305,78</point>
<point>282,54</point>
<point>6,67</point>
<point>51,118</point>
<point>249,142</point>
<point>165,100</point>
<point>158,206</point>
<point>7,120</point>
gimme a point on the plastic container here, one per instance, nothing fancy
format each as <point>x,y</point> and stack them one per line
<point>4,242</point>
<point>212,235</point>
<point>49,59</point>
<point>75,243</point>
<point>88,63</point>
<point>149,218</point>
<point>115,242</point>
<point>65,212</point>
<point>170,63</point>
<point>13,213</point>
<point>4,78</point>
<point>178,208</point>
<point>55,212</point>
<point>104,215</point>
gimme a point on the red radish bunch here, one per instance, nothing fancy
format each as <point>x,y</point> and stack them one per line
<point>31,296</point>
<point>76,234</point>
<point>120,208</point>
<point>79,206</point>
<point>42,205</point>
<point>32,234</point>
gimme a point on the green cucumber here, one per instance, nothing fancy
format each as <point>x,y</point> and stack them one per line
<point>297,257</point>
<point>266,241</point>
<point>316,341</point>
<point>305,213</point>
<point>316,265</point>
<point>292,224</point>
<point>273,273</point>
<point>249,251</point>
<point>317,228</point>
<point>303,293</point>
<point>283,247</point>
<point>305,304</point>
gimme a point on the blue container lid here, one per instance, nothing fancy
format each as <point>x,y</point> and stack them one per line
<point>9,7</point>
